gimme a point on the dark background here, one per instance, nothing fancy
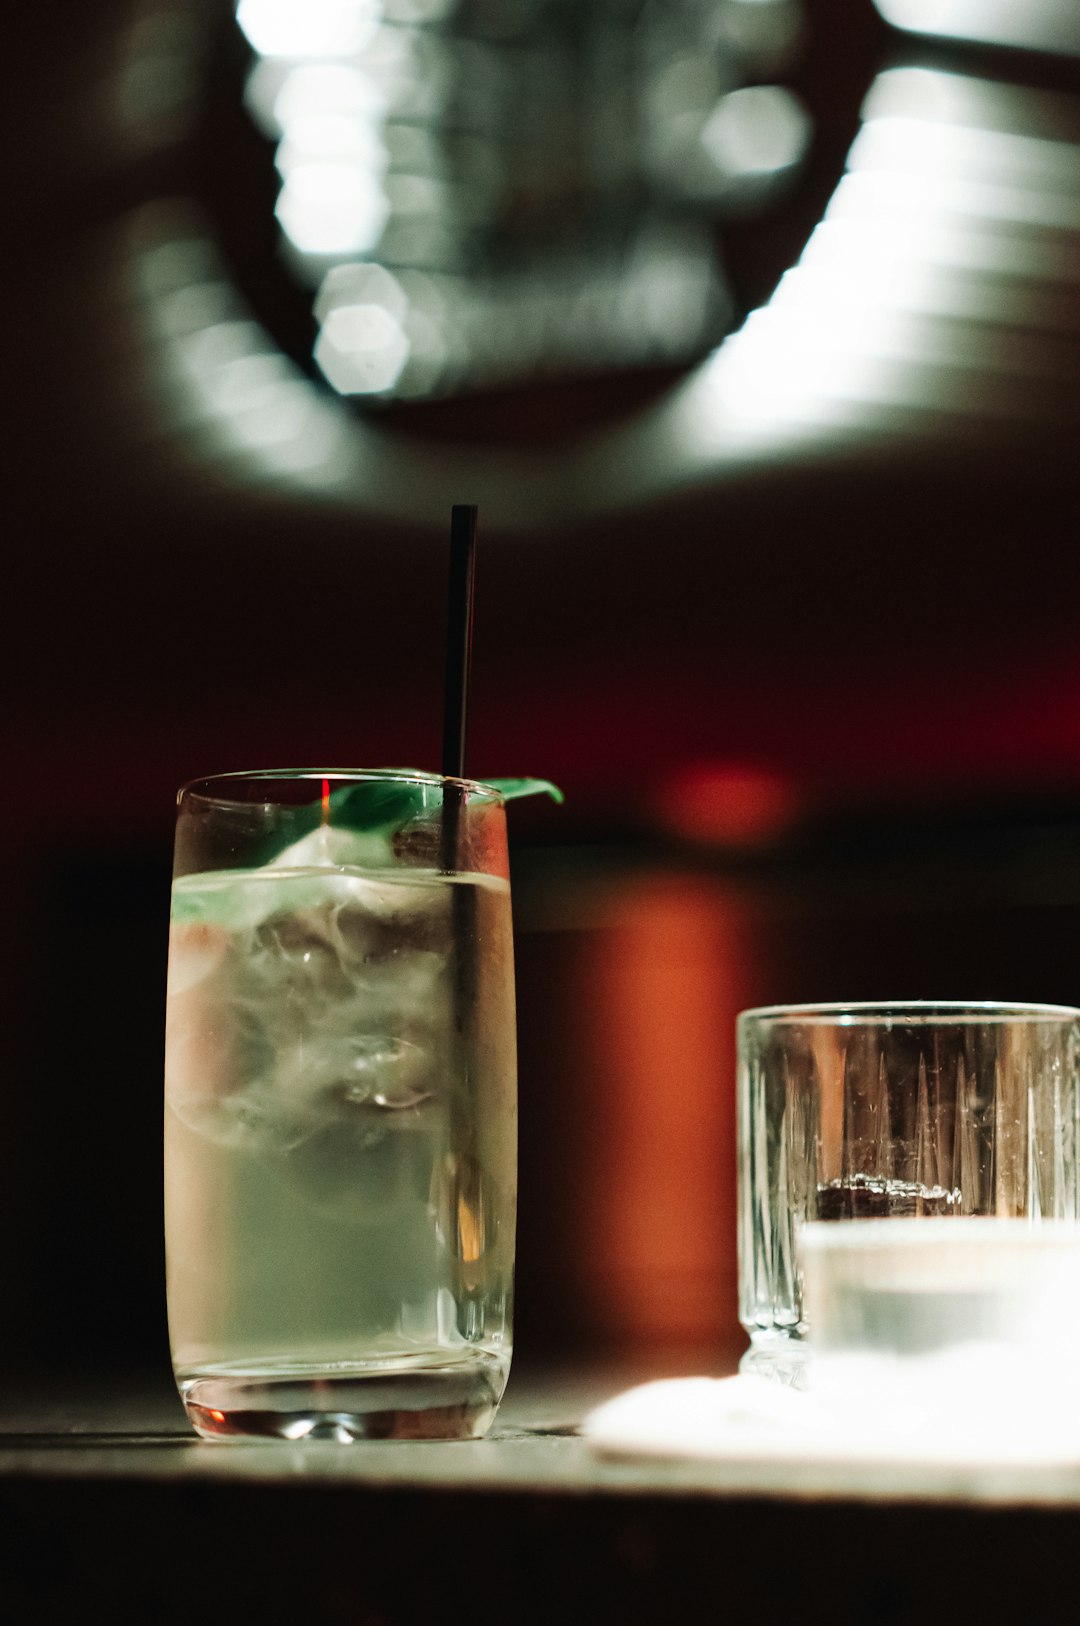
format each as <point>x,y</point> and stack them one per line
<point>817,718</point>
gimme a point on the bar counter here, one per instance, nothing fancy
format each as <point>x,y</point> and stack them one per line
<point>109,1505</point>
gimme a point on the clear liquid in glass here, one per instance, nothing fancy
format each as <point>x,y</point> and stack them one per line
<point>340,1151</point>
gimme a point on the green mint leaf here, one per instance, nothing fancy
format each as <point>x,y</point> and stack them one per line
<point>368,805</point>
<point>511,789</point>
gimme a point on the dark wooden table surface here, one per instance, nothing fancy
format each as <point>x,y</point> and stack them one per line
<point>109,1505</point>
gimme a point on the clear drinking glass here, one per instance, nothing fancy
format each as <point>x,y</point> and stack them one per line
<point>878,1111</point>
<point>340,1089</point>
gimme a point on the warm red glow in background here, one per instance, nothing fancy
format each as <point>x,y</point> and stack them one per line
<point>729,803</point>
<point>661,984</point>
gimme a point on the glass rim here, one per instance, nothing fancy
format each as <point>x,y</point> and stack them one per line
<point>203,783</point>
<point>912,1011</point>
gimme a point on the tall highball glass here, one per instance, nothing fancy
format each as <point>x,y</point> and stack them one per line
<point>340,1106</point>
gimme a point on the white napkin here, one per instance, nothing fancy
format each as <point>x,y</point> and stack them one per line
<point>972,1404</point>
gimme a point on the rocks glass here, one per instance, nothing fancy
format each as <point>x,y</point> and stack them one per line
<point>895,1110</point>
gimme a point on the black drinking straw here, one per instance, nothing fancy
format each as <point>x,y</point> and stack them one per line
<point>459,625</point>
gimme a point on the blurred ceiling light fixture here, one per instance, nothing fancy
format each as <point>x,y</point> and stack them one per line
<point>564,225</point>
<point>220,372</point>
<point>761,130</point>
<point>331,208</point>
<point>314,28</point>
<point>156,83</point>
<point>897,307</point>
<point>362,346</point>
<point>1039,25</point>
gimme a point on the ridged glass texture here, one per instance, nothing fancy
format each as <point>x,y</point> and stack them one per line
<point>903,1110</point>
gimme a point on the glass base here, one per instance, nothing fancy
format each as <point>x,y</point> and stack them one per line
<point>346,1403</point>
<point>781,1360</point>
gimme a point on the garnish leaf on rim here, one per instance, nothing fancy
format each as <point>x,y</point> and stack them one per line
<point>369,805</point>
<point>511,789</point>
